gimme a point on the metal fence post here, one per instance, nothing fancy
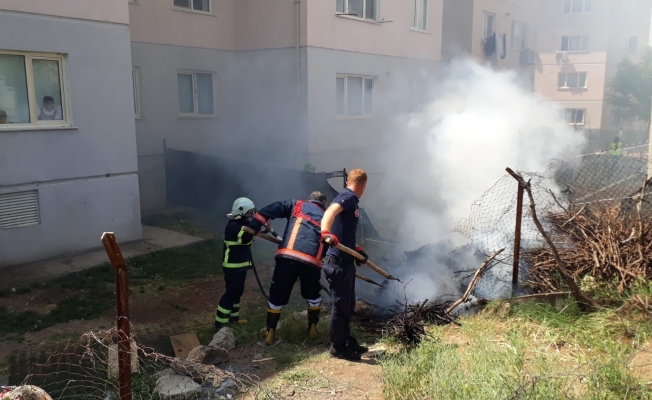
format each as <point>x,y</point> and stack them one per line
<point>517,237</point>
<point>122,313</point>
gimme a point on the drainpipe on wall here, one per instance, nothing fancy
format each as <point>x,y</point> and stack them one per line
<point>297,56</point>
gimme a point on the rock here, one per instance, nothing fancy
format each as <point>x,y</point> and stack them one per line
<point>198,372</point>
<point>26,393</point>
<point>225,384</point>
<point>363,309</point>
<point>208,355</point>
<point>173,386</point>
<point>224,338</point>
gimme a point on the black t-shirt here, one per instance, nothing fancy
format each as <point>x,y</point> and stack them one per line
<point>345,225</point>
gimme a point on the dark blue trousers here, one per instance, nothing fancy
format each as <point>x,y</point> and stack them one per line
<point>342,284</point>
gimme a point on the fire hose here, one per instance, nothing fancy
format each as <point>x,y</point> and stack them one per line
<point>278,240</point>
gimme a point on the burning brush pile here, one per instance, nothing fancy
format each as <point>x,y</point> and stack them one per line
<point>605,246</point>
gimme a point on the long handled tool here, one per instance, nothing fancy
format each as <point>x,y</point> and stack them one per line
<point>277,240</point>
<point>371,265</point>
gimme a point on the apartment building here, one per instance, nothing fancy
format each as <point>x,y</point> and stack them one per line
<point>502,33</point>
<point>580,45</point>
<point>568,50</point>
<point>283,82</point>
<point>68,167</point>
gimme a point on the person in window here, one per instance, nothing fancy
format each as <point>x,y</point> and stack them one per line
<point>48,112</point>
<point>3,117</point>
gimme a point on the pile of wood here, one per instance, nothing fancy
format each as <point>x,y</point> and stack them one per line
<point>606,246</point>
<point>407,322</point>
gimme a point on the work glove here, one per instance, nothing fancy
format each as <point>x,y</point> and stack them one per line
<point>327,235</point>
<point>359,250</point>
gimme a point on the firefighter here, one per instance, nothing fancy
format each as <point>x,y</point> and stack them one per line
<point>340,224</point>
<point>299,256</point>
<point>616,147</point>
<point>236,262</point>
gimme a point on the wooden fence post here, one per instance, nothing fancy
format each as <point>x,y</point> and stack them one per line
<point>122,313</point>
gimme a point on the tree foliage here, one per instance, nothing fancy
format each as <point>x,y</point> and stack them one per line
<point>630,90</point>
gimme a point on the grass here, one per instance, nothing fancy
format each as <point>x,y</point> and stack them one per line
<point>181,222</point>
<point>89,294</point>
<point>532,352</point>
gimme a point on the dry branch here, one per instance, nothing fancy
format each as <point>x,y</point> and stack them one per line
<point>584,300</point>
<point>474,281</point>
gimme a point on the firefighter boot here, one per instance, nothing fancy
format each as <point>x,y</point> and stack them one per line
<point>234,318</point>
<point>272,320</point>
<point>313,320</point>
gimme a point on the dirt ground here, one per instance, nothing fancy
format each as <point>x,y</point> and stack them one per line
<point>189,307</point>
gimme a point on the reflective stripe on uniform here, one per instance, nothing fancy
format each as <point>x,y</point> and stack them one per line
<point>274,306</point>
<point>222,320</point>
<point>236,265</point>
<point>299,256</point>
<point>295,232</point>
<point>235,314</point>
<point>223,310</point>
<point>314,303</point>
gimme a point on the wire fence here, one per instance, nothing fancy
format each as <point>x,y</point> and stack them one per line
<point>88,369</point>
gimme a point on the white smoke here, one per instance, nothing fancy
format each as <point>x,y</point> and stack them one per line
<point>478,122</point>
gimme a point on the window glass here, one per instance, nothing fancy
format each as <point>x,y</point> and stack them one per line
<point>186,99</point>
<point>370,9</point>
<point>47,88</point>
<point>205,93</point>
<point>13,88</point>
<point>201,5</point>
<point>339,94</point>
<point>182,3</point>
<point>368,95</point>
<point>355,8</point>
<point>354,95</point>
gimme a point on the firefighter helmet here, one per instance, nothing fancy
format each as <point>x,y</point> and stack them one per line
<point>242,207</point>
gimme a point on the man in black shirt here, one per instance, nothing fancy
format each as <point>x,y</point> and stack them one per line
<point>339,225</point>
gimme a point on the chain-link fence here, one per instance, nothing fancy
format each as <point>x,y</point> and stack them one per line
<point>88,369</point>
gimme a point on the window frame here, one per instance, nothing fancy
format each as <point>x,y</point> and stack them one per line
<point>493,26</point>
<point>135,77</point>
<point>345,13</point>
<point>133,1</point>
<point>414,25</point>
<point>583,38</point>
<point>363,115</point>
<point>195,95</point>
<point>524,38</point>
<point>574,110</point>
<point>64,87</point>
<point>584,3</point>
<point>578,73</point>
<point>192,10</point>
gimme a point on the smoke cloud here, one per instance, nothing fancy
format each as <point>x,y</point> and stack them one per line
<point>476,122</point>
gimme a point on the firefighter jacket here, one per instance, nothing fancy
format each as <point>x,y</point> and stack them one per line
<point>301,240</point>
<point>237,245</point>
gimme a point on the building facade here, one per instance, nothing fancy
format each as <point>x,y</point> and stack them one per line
<point>68,167</point>
<point>580,46</point>
<point>283,82</point>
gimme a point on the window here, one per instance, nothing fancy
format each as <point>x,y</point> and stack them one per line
<point>32,90</point>
<point>577,6</point>
<point>632,44</point>
<point>135,78</point>
<point>365,9</point>
<point>354,95</point>
<point>133,1</point>
<point>571,80</point>
<point>519,35</point>
<point>195,94</point>
<point>575,116</point>
<point>574,43</point>
<point>195,5</point>
<point>420,15</point>
<point>489,20</point>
